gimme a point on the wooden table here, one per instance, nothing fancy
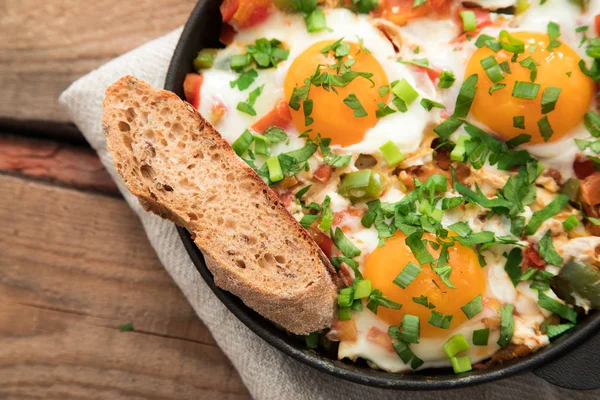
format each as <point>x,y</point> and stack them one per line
<point>75,263</point>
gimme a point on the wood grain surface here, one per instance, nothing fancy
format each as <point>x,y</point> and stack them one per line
<point>47,44</point>
<point>74,266</point>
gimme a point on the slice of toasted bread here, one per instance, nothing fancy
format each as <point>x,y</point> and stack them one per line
<point>181,168</point>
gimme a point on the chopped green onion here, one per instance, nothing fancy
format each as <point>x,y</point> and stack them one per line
<point>357,305</point>
<point>455,345</point>
<point>553,34</point>
<point>417,3</point>
<point>531,65</point>
<point>126,327</point>
<point>383,90</point>
<point>507,325</point>
<point>312,340</point>
<point>545,213</point>
<point>570,223</point>
<point>473,307</point>
<point>413,241</point>
<point>261,145</point>
<point>447,79</point>
<point>469,21</point>
<point>407,275</point>
<point>461,364</point>
<point>440,320</point>
<point>549,98</point>
<point>545,129</point>
<point>555,306</point>
<point>465,97</point>
<point>429,104</point>
<point>362,289</point>
<point>525,90</point>
<point>519,122</point>
<point>391,153</point>
<point>405,91</point>
<point>486,40</point>
<point>241,144</point>
<point>354,104</point>
<point>459,150</point>
<point>345,314</point>
<point>410,328</point>
<point>205,59</point>
<point>315,21</point>
<point>448,127</point>
<point>496,87</point>
<point>480,337</point>
<point>492,69</point>
<point>513,265</point>
<point>376,298</point>
<point>302,192</point>
<point>346,297</point>
<point>403,351</point>
<point>363,184</point>
<point>591,121</point>
<point>547,250</point>
<point>422,300</point>
<point>505,67</point>
<point>511,44</point>
<point>344,245</point>
<point>555,330</point>
<point>275,172</point>
<point>239,61</point>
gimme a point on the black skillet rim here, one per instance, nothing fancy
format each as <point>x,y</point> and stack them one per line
<point>206,13</point>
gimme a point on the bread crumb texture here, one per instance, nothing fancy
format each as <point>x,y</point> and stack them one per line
<point>180,168</point>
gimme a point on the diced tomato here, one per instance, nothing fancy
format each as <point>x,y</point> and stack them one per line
<point>532,259</point>
<point>380,338</point>
<point>590,189</point>
<point>286,198</point>
<point>597,24</point>
<point>322,240</point>
<point>228,9</point>
<point>401,12</point>
<point>191,88</point>
<point>323,173</point>
<point>583,167</point>
<point>217,111</point>
<point>279,116</point>
<point>245,13</point>
<point>227,34</point>
<point>343,331</point>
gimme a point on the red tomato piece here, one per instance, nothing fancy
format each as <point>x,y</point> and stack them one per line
<point>583,167</point>
<point>323,173</point>
<point>322,240</point>
<point>228,9</point>
<point>532,259</point>
<point>590,189</point>
<point>250,13</point>
<point>279,116</point>
<point>597,24</point>
<point>191,88</point>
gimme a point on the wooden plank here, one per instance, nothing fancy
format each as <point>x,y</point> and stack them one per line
<point>48,44</point>
<point>76,265</point>
<point>58,162</point>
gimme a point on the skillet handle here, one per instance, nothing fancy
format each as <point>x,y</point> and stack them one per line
<point>578,369</point>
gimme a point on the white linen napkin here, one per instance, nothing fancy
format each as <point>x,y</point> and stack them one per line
<point>267,373</point>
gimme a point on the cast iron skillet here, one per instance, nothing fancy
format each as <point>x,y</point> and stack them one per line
<point>578,369</point>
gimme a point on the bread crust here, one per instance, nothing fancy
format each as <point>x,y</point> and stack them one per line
<point>180,168</point>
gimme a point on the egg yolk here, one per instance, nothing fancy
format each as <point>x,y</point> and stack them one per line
<point>557,68</point>
<point>386,262</point>
<point>332,117</point>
